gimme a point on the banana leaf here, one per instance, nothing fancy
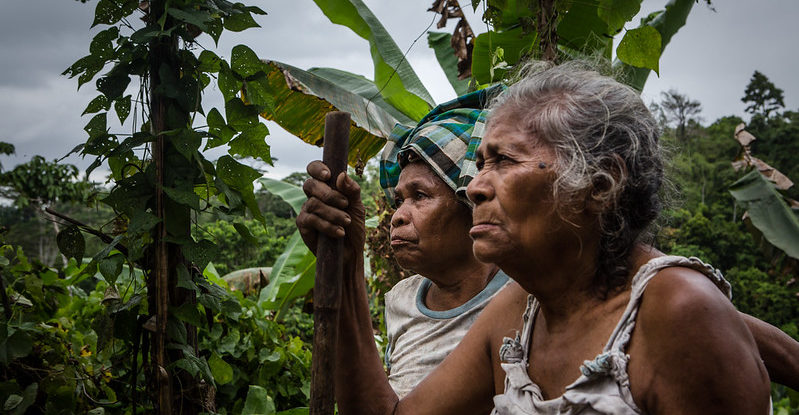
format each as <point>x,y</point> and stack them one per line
<point>303,98</point>
<point>398,83</point>
<point>360,85</point>
<point>440,43</point>
<point>768,212</point>
<point>290,194</point>
<point>292,276</point>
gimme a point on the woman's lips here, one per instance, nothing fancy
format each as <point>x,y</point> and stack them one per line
<point>399,242</point>
<point>481,229</point>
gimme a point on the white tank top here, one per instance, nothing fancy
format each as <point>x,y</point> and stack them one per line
<point>603,386</point>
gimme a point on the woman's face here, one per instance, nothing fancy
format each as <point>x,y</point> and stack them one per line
<point>430,228</point>
<point>514,214</point>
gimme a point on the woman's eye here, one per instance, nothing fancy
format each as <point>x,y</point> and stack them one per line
<point>420,195</point>
<point>397,201</point>
<point>479,164</point>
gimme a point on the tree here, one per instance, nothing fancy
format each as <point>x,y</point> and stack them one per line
<point>762,96</point>
<point>38,184</point>
<point>680,110</point>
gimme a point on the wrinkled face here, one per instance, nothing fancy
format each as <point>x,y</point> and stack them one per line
<point>430,228</point>
<point>514,213</point>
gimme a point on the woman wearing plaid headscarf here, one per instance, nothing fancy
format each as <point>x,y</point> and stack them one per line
<point>692,352</point>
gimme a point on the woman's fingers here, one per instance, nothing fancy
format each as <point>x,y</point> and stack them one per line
<point>318,189</point>
<point>309,223</point>
<point>349,188</point>
<point>318,170</point>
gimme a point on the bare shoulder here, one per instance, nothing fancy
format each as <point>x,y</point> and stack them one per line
<point>691,352</point>
<point>505,310</point>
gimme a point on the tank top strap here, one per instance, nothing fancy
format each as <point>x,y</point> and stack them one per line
<point>516,350</point>
<point>621,334</point>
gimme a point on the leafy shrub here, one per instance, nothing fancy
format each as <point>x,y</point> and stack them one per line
<point>72,344</point>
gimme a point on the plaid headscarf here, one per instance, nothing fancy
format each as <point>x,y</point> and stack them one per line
<point>445,139</point>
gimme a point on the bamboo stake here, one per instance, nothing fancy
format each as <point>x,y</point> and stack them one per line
<point>329,275</point>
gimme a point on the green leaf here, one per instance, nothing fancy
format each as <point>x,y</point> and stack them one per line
<point>12,402</point>
<point>515,44</point>
<point>141,221</point>
<point>71,243</point>
<point>112,11</point>
<point>440,43</point>
<point>292,276</point>
<point>111,267</point>
<point>102,47</point>
<point>667,23</point>
<point>122,107</point>
<point>641,48</point>
<point>239,20</point>
<point>240,115</point>
<point>187,143</point>
<point>245,62</point>
<point>196,17</point>
<point>768,211</point>
<point>291,194</point>
<point>222,371</point>
<point>183,196</point>
<point>19,344</point>
<point>209,62</point>
<point>200,253</point>
<point>257,92</point>
<point>145,34</point>
<point>99,103</point>
<point>617,12</point>
<point>221,133</point>
<point>244,232</point>
<point>113,86</point>
<point>398,82</point>
<point>184,278</point>
<point>251,143</point>
<point>240,178</point>
<point>176,331</point>
<point>28,399</point>
<point>258,402</point>
<point>87,67</point>
<point>358,85</point>
<point>300,111</point>
<point>96,127</point>
<point>582,30</point>
<point>189,313</point>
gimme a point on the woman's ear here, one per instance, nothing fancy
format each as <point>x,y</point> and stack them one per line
<point>606,185</point>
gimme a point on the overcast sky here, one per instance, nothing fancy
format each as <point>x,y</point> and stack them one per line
<point>711,60</point>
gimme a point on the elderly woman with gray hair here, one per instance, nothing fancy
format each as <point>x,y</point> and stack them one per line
<point>596,322</point>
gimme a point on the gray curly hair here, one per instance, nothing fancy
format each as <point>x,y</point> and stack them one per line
<point>607,153</point>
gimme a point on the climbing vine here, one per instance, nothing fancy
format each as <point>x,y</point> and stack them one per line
<point>157,72</point>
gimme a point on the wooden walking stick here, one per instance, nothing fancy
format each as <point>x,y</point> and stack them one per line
<point>329,275</point>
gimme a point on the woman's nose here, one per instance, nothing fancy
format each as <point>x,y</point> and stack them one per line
<point>400,217</point>
<point>479,190</point>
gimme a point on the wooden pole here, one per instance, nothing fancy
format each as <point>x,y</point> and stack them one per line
<point>329,275</point>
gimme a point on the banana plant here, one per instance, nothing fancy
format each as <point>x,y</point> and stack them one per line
<point>520,28</point>
<point>293,272</point>
<point>774,216</point>
<point>396,95</point>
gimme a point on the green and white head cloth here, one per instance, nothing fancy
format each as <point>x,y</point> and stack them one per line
<point>445,139</point>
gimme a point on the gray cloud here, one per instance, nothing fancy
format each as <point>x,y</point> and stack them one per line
<point>710,59</point>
